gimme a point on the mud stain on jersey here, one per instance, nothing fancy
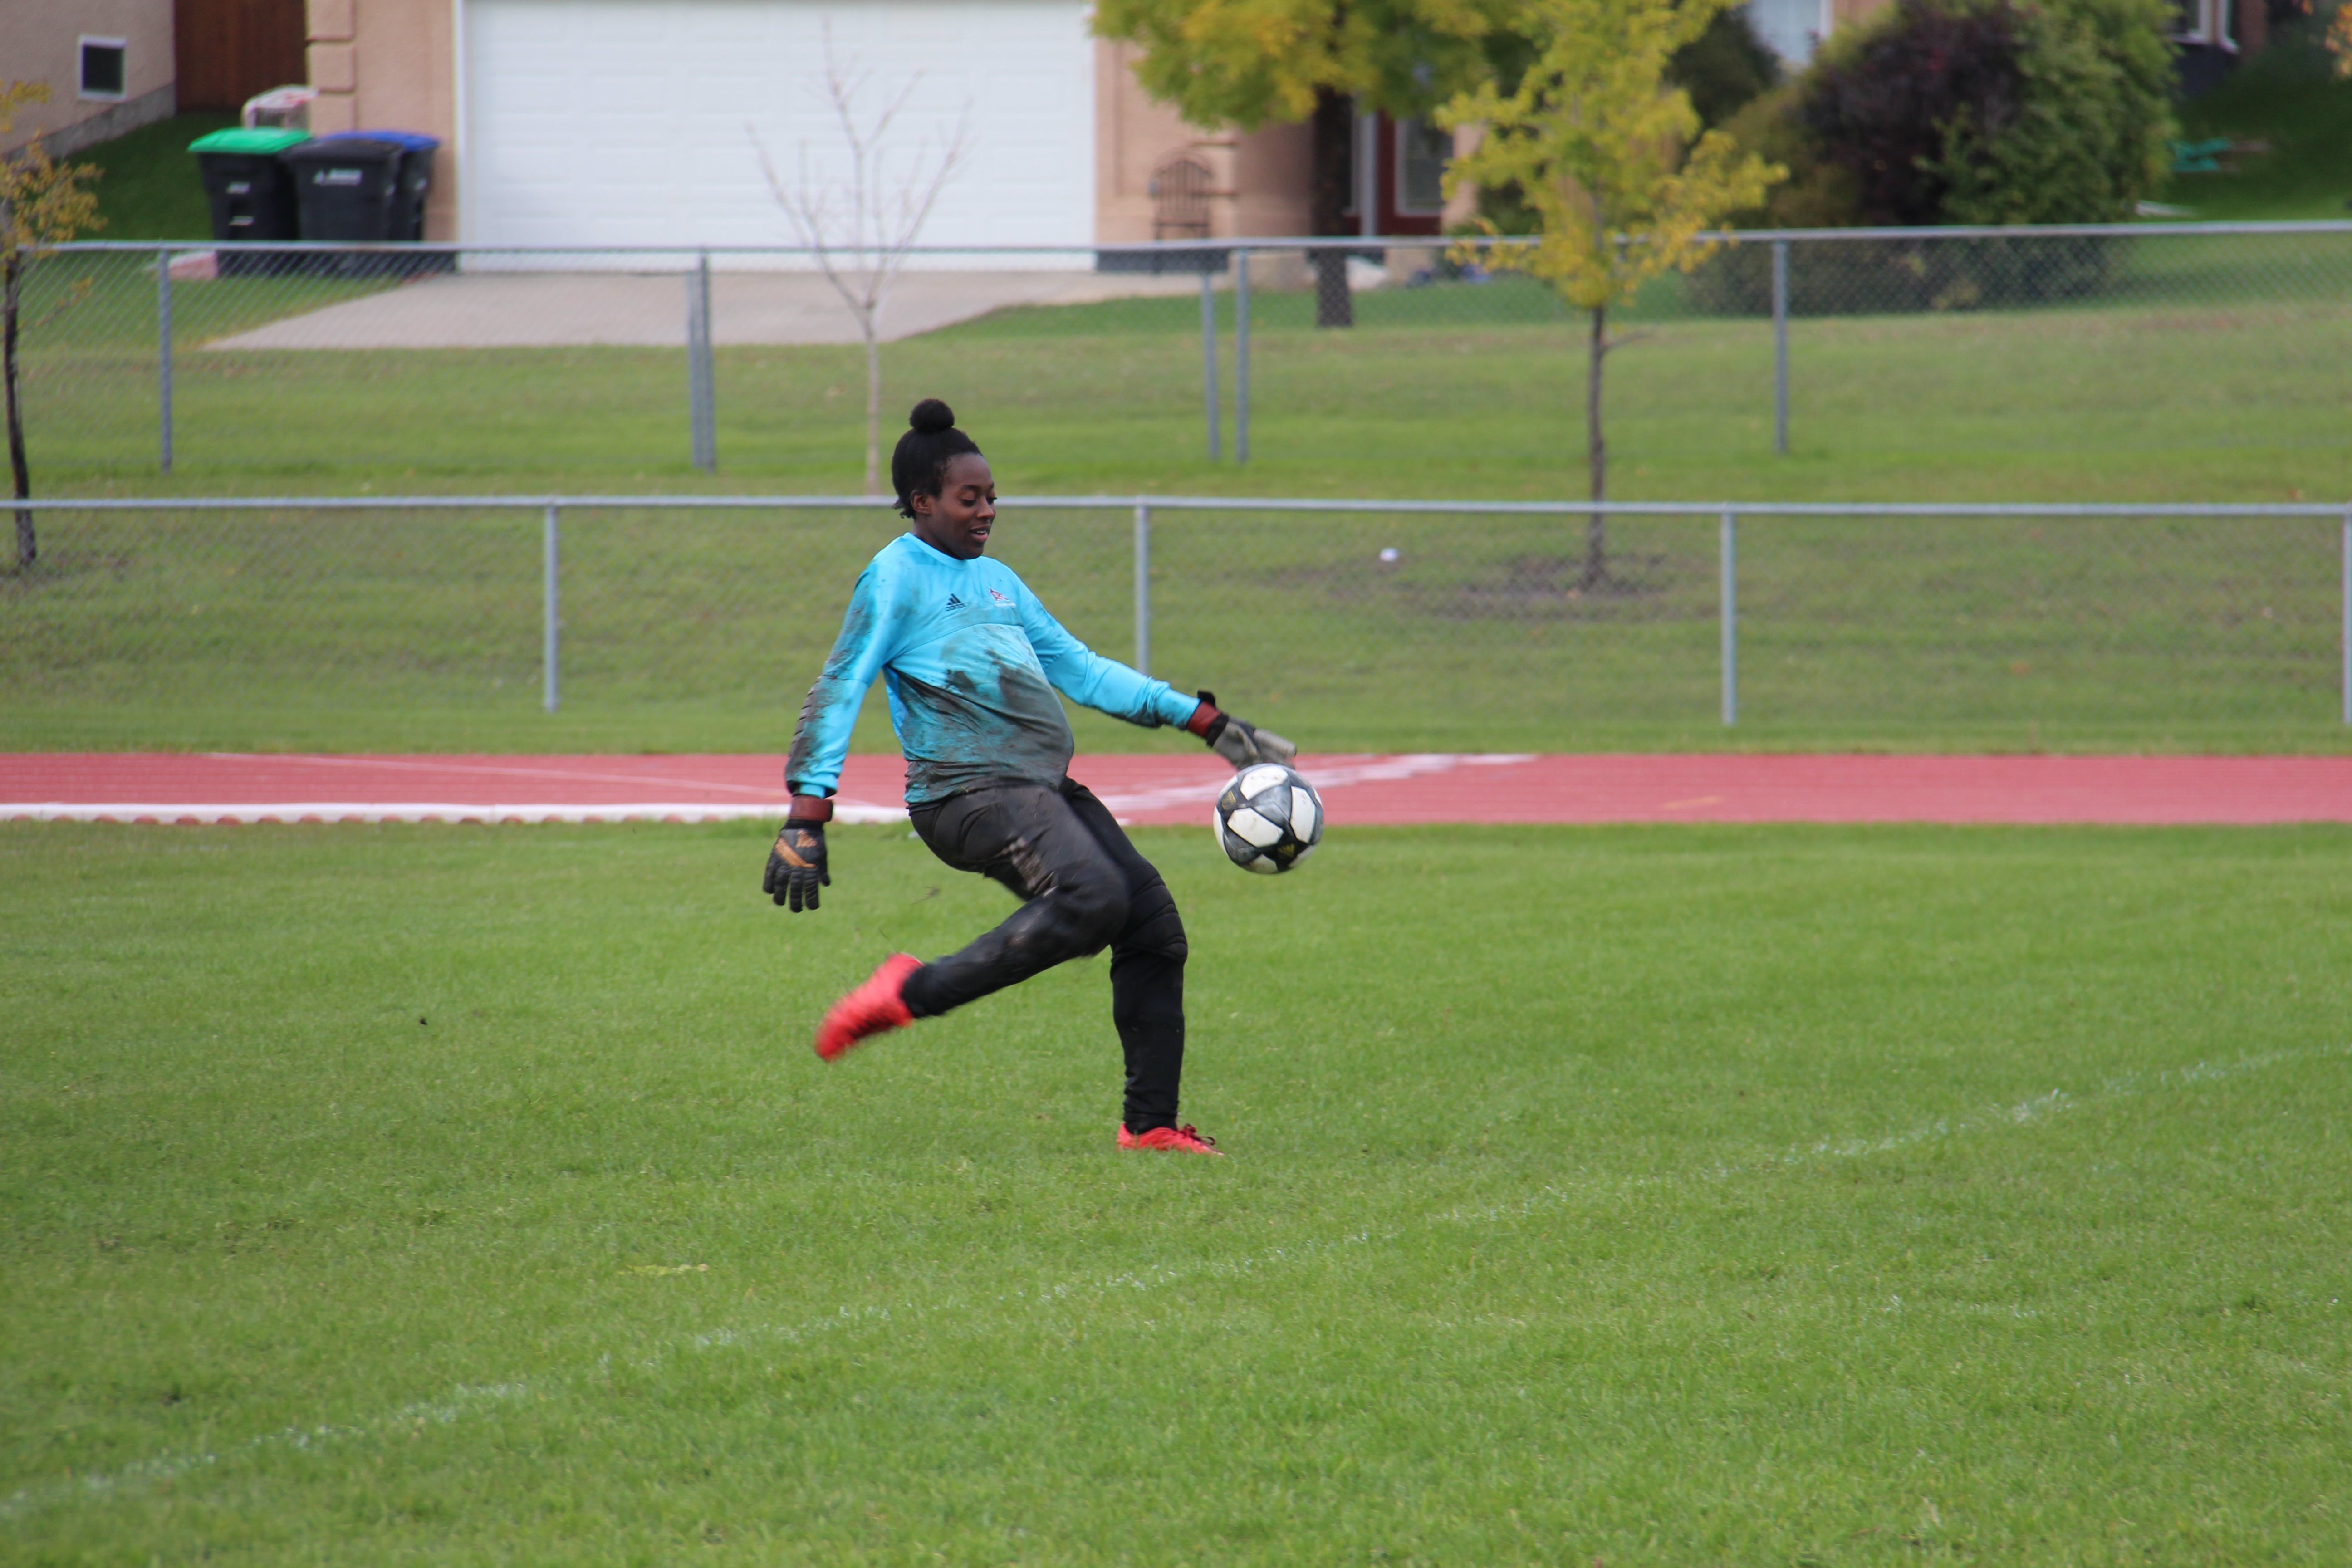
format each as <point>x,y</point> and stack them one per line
<point>995,719</point>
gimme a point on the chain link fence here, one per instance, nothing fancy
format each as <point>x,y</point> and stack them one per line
<point>347,365</point>
<point>698,623</point>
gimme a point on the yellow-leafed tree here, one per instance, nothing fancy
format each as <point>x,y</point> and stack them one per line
<point>1609,159</point>
<point>42,204</point>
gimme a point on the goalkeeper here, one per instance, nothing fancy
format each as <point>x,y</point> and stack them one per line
<point>971,661</point>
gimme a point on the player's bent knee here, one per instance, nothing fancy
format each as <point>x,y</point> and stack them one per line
<point>1089,915</point>
<point>1159,933</point>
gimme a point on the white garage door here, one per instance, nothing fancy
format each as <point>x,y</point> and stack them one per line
<point>640,121</point>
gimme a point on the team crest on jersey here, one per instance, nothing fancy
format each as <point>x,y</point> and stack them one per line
<point>1000,597</point>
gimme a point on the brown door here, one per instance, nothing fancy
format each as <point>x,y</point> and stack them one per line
<point>227,50</point>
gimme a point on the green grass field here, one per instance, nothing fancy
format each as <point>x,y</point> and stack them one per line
<point>1674,1196</point>
<point>2212,370</point>
<point>421,632</point>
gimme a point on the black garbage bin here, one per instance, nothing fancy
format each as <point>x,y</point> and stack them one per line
<point>252,195</point>
<point>415,176</point>
<point>345,188</point>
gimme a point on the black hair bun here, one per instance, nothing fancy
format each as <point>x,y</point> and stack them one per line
<point>931,417</point>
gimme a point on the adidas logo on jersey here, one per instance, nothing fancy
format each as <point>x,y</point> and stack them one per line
<point>954,603</point>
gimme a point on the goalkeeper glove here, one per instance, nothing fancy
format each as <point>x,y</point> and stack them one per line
<point>1239,743</point>
<point>797,867</point>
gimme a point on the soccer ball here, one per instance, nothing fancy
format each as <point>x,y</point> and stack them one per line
<point>1269,818</point>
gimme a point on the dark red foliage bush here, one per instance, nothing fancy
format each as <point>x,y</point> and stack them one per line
<point>1885,111</point>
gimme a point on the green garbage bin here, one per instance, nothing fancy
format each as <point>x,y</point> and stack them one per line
<point>252,195</point>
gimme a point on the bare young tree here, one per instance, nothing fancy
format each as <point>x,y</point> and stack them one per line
<point>861,226</point>
<point>42,204</point>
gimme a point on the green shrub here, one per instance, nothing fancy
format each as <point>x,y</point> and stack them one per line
<point>2086,140</point>
<point>1973,111</point>
<point>1724,69</point>
<point>1957,111</point>
<point>1902,276</point>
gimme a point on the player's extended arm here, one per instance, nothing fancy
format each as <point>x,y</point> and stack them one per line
<point>797,866</point>
<point>1085,676</point>
<point>1241,745</point>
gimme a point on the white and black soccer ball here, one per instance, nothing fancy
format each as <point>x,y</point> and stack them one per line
<point>1269,818</point>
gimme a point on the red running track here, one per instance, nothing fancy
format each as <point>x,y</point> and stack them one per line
<point>1357,789</point>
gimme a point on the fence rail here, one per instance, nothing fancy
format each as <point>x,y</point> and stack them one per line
<point>1380,623</point>
<point>2213,334</point>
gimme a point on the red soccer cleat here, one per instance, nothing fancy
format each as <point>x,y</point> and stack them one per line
<point>873,1008</point>
<point>1185,1140</point>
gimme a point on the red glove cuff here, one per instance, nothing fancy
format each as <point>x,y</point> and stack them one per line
<point>1203,722</point>
<point>810,808</point>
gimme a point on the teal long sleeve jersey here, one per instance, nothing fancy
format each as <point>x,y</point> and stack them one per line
<point>971,661</point>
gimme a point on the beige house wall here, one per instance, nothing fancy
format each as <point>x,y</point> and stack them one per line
<point>40,41</point>
<point>1260,176</point>
<point>391,65</point>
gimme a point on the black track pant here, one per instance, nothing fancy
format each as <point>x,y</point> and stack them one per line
<point>1082,888</point>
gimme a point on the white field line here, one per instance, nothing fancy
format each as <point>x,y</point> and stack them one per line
<point>443,1412</point>
<point>2025,1112</point>
<point>471,1398</point>
<point>467,1398</point>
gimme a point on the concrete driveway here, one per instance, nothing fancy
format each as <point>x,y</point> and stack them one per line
<point>558,309</point>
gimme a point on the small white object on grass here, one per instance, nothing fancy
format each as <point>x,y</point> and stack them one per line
<point>1389,555</point>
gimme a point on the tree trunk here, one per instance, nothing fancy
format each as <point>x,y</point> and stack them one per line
<point>1596,455</point>
<point>11,278</point>
<point>873,407</point>
<point>1333,127</point>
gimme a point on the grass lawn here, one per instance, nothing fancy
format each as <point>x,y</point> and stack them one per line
<point>2213,371</point>
<point>2290,98</point>
<point>151,186</point>
<point>1674,1196</point>
<point>421,632</point>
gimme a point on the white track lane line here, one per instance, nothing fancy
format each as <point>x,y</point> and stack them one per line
<point>505,770</point>
<point>1337,772</point>
<point>170,812</point>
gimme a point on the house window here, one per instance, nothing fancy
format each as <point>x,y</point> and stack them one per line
<point>1423,153</point>
<point>103,73</point>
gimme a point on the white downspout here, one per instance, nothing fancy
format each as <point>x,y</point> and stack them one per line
<point>463,153</point>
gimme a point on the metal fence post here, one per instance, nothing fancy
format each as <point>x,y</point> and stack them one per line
<point>1208,352</point>
<point>2347,616</point>
<point>164,357</point>
<point>1241,356</point>
<point>549,610</point>
<point>1728,615</point>
<point>1142,588</point>
<point>1780,348</point>
<point>699,392</point>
